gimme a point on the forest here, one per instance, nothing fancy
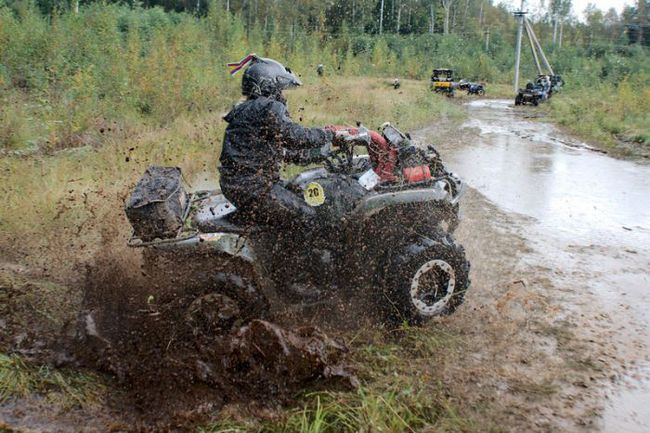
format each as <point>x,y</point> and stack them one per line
<point>68,67</point>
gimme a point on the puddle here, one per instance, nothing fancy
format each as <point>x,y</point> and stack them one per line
<point>590,221</point>
<point>629,411</point>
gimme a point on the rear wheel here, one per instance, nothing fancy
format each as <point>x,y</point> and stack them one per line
<point>481,92</point>
<point>535,102</point>
<point>216,292</point>
<point>431,282</point>
<point>518,100</point>
<point>229,300</point>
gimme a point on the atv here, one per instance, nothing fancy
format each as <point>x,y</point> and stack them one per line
<point>472,88</point>
<point>384,234</point>
<point>530,95</point>
<point>557,82</point>
<point>544,83</point>
<point>442,81</point>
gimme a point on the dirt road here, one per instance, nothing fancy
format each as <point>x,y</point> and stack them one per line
<point>578,227</point>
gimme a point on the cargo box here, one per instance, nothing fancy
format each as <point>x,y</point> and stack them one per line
<point>156,206</point>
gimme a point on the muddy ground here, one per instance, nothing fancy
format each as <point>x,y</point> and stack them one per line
<point>549,341</point>
<point>583,219</point>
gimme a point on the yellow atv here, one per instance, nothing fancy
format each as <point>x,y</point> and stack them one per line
<point>442,81</point>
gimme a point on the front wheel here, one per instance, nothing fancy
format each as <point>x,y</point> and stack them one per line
<point>481,92</point>
<point>431,282</point>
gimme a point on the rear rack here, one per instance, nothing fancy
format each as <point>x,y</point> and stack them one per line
<point>135,242</point>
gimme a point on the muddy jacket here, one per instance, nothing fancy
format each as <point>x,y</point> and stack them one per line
<point>259,137</point>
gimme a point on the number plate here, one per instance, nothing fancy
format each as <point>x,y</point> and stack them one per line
<point>314,194</point>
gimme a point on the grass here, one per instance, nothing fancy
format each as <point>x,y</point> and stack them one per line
<point>401,392</point>
<point>616,118</point>
<point>19,378</point>
<point>24,301</point>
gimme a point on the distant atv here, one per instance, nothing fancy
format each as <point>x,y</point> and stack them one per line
<point>544,83</point>
<point>472,88</point>
<point>386,224</point>
<point>442,81</point>
<point>530,95</point>
<point>556,82</point>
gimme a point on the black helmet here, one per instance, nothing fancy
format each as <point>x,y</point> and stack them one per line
<point>266,77</point>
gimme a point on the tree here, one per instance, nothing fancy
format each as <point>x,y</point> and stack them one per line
<point>594,17</point>
<point>612,25</point>
<point>447,4</point>
<point>558,11</point>
<point>642,13</point>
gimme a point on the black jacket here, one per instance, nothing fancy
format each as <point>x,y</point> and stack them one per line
<point>259,137</point>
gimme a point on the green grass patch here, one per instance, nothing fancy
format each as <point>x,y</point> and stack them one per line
<point>614,117</point>
<point>19,378</point>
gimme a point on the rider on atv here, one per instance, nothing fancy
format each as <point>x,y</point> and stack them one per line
<point>375,227</point>
<point>261,136</point>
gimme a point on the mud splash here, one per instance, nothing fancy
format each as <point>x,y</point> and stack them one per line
<point>176,344</point>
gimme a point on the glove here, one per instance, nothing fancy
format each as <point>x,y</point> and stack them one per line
<point>309,156</point>
<point>339,134</point>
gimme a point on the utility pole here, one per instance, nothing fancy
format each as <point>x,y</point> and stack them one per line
<point>533,48</point>
<point>487,40</point>
<point>381,17</point>
<point>529,28</point>
<point>520,15</point>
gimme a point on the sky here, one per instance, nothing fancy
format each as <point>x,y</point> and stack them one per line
<point>578,5</point>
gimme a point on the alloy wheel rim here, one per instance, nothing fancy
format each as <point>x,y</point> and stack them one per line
<point>432,287</point>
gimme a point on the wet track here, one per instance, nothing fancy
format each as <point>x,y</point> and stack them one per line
<point>586,217</point>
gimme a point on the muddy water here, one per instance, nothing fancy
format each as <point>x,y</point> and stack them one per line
<point>588,221</point>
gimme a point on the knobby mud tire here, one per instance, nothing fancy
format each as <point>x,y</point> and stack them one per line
<point>401,308</point>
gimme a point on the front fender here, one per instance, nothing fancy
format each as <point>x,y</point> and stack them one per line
<point>373,204</point>
<point>413,246</point>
